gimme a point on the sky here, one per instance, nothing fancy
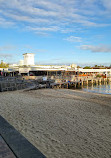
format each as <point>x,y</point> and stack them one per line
<point>56,31</point>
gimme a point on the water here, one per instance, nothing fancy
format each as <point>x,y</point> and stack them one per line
<point>104,89</point>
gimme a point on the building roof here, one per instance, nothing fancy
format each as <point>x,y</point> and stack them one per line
<point>27,53</point>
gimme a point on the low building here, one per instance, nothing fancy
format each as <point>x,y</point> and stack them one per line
<point>27,67</point>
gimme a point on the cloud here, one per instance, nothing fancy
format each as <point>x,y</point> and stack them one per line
<point>43,31</point>
<point>7,48</point>
<point>73,39</point>
<point>107,4</point>
<point>6,56</point>
<point>5,23</point>
<point>4,49</point>
<point>59,14</point>
<point>99,48</point>
<point>30,48</point>
<point>50,29</point>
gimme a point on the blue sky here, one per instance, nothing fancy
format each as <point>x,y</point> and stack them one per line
<point>57,31</point>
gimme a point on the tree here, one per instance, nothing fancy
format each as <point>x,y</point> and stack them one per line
<point>78,66</point>
<point>3,65</point>
<point>87,67</point>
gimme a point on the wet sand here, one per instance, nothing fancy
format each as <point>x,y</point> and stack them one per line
<point>61,123</point>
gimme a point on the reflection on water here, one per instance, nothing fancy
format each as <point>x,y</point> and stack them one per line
<point>105,89</point>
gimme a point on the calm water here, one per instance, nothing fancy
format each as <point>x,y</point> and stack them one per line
<point>104,89</point>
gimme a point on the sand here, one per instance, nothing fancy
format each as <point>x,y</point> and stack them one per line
<point>61,123</point>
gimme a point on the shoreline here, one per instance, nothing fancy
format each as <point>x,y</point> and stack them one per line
<point>101,89</point>
<point>61,122</point>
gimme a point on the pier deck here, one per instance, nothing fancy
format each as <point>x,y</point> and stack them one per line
<point>12,83</point>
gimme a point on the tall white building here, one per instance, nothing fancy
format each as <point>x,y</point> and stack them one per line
<point>28,59</point>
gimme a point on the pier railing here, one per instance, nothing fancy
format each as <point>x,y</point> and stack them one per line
<point>14,83</point>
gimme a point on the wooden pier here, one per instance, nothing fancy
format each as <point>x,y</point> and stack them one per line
<point>76,84</point>
<point>12,83</point>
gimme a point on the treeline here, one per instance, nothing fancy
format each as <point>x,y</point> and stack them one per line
<point>96,67</point>
<point>3,65</point>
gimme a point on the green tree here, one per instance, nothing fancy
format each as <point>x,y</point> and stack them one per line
<point>78,66</point>
<point>3,65</point>
<point>87,67</point>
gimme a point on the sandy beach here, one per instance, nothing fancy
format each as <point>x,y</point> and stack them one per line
<point>61,123</point>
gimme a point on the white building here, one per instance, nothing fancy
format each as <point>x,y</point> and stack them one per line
<point>21,62</point>
<point>73,66</point>
<point>28,59</point>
